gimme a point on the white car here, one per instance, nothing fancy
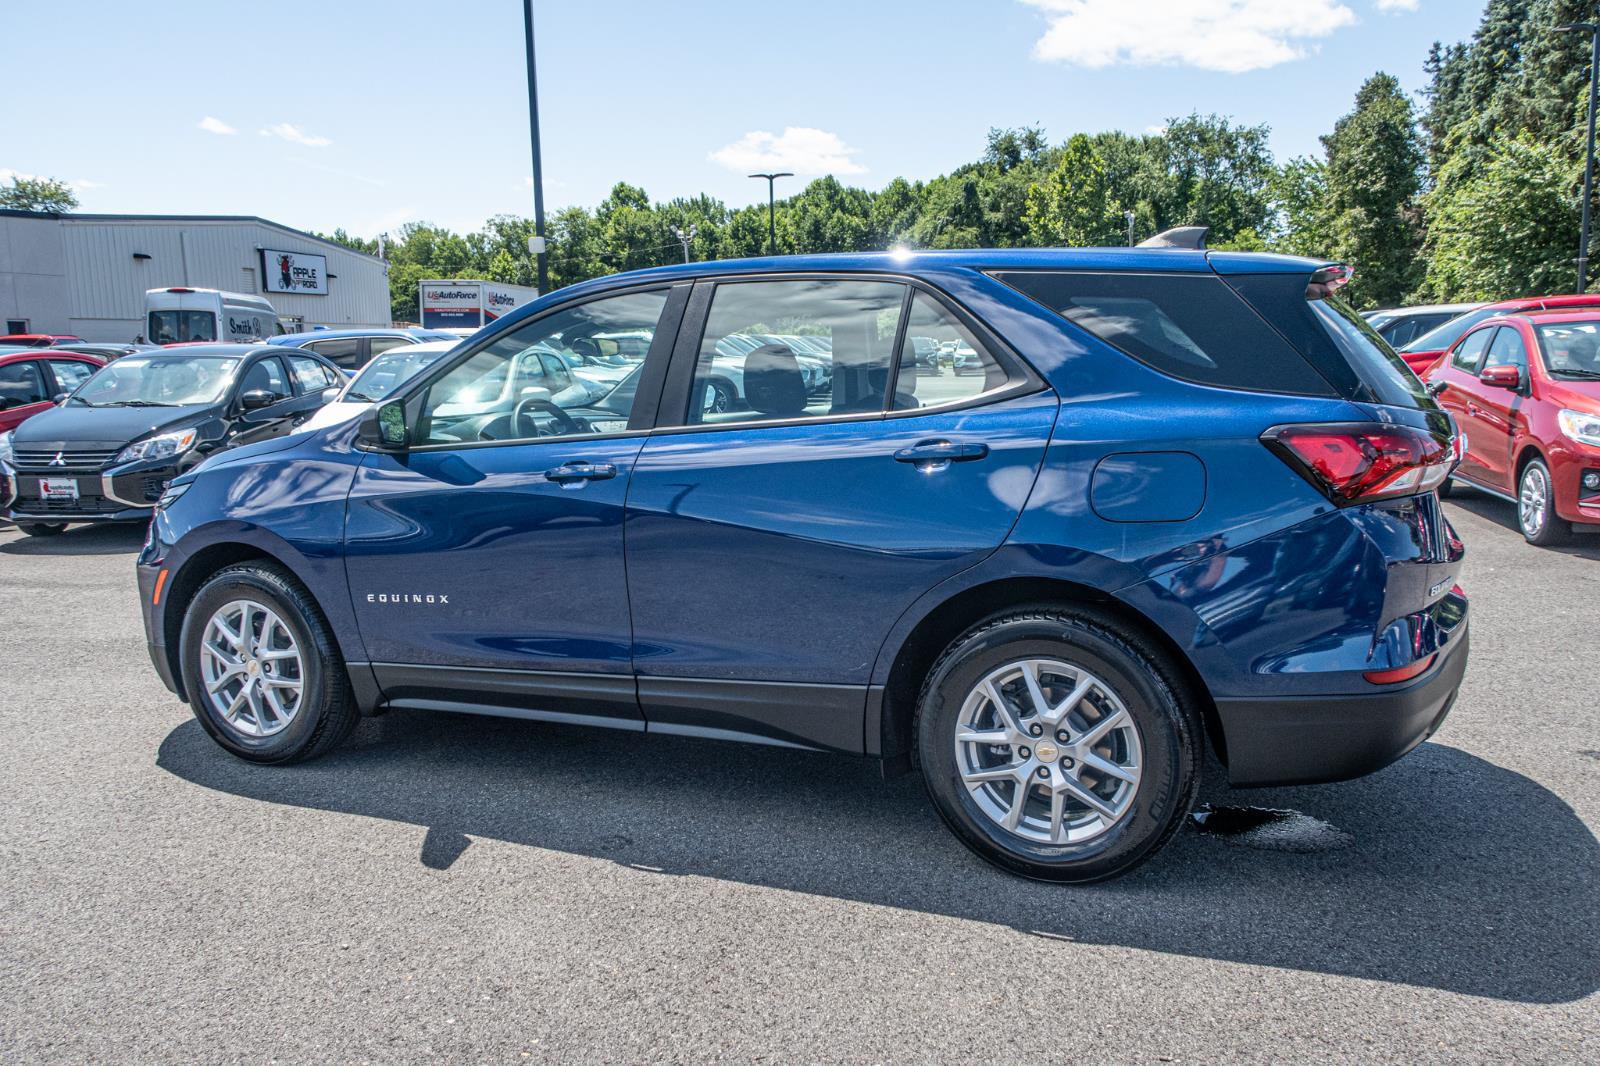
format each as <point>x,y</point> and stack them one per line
<point>385,373</point>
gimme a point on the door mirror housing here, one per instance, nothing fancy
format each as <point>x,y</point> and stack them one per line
<point>256,399</point>
<point>60,397</point>
<point>383,428</point>
<point>1502,377</point>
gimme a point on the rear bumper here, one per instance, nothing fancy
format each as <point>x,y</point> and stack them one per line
<point>1308,740</point>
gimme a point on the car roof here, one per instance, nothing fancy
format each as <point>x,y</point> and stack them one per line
<point>16,355</point>
<point>1537,303</point>
<point>1563,314</point>
<point>1427,309</point>
<point>294,340</point>
<point>204,350</point>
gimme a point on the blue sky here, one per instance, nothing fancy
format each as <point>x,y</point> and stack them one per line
<point>368,114</point>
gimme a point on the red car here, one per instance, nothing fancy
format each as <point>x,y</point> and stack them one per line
<point>36,340</point>
<point>30,381</point>
<point>1423,352</point>
<point>1525,392</point>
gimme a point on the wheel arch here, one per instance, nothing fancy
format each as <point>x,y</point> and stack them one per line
<point>1528,453</point>
<point>934,632</point>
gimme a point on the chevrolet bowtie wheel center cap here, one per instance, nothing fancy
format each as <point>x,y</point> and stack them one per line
<point>1046,751</point>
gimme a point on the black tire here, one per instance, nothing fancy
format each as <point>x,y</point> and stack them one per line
<point>723,397</point>
<point>43,529</point>
<point>327,711</point>
<point>1545,528</point>
<point>1144,681</point>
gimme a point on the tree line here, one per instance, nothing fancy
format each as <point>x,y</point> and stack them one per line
<point>1471,192</point>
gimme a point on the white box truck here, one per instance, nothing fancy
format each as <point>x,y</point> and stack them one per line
<point>456,304</point>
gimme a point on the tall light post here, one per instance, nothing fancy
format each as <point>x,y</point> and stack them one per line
<point>537,244</point>
<point>1593,30</point>
<point>1130,216</point>
<point>772,208</point>
<point>685,238</point>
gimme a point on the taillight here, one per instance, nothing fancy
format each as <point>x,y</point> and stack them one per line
<point>1358,462</point>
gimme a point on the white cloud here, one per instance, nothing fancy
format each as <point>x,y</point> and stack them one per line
<point>295,135</point>
<point>216,125</point>
<point>1233,36</point>
<point>77,184</point>
<point>1391,6</point>
<point>798,148</point>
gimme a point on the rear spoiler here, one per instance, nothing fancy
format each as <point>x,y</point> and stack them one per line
<point>1190,237</point>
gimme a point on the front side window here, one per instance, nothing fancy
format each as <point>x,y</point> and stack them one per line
<point>158,381</point>
<point>812,348</point>
<point>1469,353</point>
<point>265,375</point>
<point>1571,350</point>
<point>378,345</point>
<point>520,387</point>
<point>940,360</point>
<point>70,373</point>
<point>20,385</point>
<point>309,374</point>
<point>1507,349</point>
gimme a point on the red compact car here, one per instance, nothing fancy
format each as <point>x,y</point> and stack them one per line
<point>1423,352</point>
<point>1525,392</point>
<point>30,380</point>
<point>36,340</point>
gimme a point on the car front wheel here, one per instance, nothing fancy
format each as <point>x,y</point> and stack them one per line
<point>1055,744</point>
<point>1536,507</point>
<point>261,669</point>
<point>42,529</point>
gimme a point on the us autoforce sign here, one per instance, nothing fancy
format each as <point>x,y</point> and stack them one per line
<point>295,272</point>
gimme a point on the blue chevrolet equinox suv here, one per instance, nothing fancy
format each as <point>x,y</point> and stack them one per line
<point>1181,498</point>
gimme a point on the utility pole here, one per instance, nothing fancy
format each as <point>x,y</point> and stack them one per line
<point>536,244</point>
<point>1593,30</point>
<point>772,209</point>
<point>684,238</point>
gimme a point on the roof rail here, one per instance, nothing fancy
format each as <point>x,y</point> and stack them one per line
<point>1178,237</point>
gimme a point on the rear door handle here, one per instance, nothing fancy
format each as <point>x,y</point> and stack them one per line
<point>937,451</point>
<point>568,472</point>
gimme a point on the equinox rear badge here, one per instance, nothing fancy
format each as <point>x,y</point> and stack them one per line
<point>404,597</point>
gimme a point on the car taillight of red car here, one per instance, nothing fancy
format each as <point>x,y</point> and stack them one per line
<point>1359,462</point>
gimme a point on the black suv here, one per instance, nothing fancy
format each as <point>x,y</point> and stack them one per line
<point>108,451</point>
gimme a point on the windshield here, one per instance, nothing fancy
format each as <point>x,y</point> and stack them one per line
<point>1571,350</point>
<point>1437,340</point>
<point>388,372</point>
<point>174,327</point>
<point>158,381</point>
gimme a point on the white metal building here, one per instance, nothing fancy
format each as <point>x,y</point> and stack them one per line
<point>87,274</point>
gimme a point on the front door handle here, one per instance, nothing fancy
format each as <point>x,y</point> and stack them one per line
<point>926,453</point>
<point>568,472</point>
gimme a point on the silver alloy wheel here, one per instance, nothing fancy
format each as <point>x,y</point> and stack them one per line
<point>1533,500</point>
<point>1048,752</point>
<point>251,667</point>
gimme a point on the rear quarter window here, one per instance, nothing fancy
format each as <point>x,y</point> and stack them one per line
<point>1190,326</point>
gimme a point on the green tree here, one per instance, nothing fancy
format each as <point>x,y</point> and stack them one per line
<point>1074,205</point>
<point>1303,224</point>
<point>1374,174</point>
<point>38,194</point>
<point>1508,228</point>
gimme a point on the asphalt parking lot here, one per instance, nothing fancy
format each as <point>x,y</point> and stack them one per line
<point>483,890</point>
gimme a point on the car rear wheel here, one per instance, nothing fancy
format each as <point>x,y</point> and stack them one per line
<point>42,529</point>
<point>1536,507</point>
<point>263,674</point>
<point>1055,745</point>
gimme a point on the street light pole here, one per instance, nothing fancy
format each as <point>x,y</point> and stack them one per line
<point>1130,216</point>
<point>1593,30</point>
<point>772,209</point>
<point>537,245</point>
<point>684,238</point>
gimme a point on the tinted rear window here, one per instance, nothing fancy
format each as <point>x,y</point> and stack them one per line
<point>1191,326</point>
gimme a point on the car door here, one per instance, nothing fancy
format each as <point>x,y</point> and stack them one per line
<point>772,546</point>
<point>1459,374</point>
<point>68,374</point>
<point>1493,411</point>
<point>264,374</point>
<point>24,392</point>
<point>486,562</point>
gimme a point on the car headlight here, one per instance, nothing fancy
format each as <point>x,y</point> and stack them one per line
<point>1581,426</point>
<point>161,446</point>
<point>7,455</point>
<point>170,495</point>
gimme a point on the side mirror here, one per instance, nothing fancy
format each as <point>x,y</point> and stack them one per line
<point>383,428</point>
<point>534,392</point>
<point>1502,377</point>
<point>256,399</point>
<point>60,397</point>
<point>329,395</point>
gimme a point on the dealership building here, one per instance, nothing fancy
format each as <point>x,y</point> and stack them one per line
<point>87,274</point>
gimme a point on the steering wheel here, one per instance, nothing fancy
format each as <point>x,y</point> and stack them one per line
<point>564,421</point>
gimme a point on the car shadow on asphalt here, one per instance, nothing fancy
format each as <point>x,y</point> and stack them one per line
<point>122,538</point>
<point>1504,514</point>
<point>1462,875</point>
